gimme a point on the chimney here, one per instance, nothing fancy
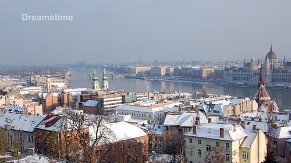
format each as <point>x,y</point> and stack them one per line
<point>234,127</point>
<point>197,110</point>
<point>243,124</point>
<point>254,127</point>
<point>197,123</point>
<point>195,130</point>
<point>209,120</point>
<point>222,132</point>
<point>285,124</point>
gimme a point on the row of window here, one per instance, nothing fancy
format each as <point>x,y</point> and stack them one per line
<point>217,143</point>
<point>227,158</point>
<point>30,138</point>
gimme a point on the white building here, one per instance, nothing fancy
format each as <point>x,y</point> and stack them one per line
<point>150,110</point>
<point>20,129</point>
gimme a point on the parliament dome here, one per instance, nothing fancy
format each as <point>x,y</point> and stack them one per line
<point>271,55</point>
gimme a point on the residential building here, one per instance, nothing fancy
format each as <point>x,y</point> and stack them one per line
<point>20,130</point>
<point>155,135</point>
<point>281,135</point>
<point>129,143</point>
<point>225,142</point>
<point>152,111</point>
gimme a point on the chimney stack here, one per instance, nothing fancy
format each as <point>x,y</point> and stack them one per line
<point>209,120</point>
<point>243,124</point>
<point>234,127</point>
<point>222,132</point>
<point>195,130</point>
<point>254,128</point>
<point>286,124</point>
<point>197,110</point>
<point>197,123</point>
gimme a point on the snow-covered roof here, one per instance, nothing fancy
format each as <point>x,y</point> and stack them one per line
<point>264,116</point>
<point>212,131</point>
<point>19,121</point>
<point>120,131</point>
<point>283,133</point>
<point>238,100</point>
<point>169,106</point>
<point>259,125</point>
<point>91,103</point>
<point>186,119</point>
<point>51,123</point>
<point>248,141</point>
<point>155,128</point>
<point>219,109</point>
<point>125,131</point>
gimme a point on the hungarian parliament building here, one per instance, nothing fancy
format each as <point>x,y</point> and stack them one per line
<point>276,74</point>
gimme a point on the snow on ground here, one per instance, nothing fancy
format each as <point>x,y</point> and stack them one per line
<point>35,159</point>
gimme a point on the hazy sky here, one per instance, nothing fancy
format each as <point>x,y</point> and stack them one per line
<point>147,30</point>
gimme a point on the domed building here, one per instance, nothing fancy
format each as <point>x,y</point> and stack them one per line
<point>271,59</point>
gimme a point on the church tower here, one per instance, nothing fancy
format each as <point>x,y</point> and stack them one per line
<point>48,83</point>
<point>95,82</point>
<point>105,83</point>
<point>262,97</point>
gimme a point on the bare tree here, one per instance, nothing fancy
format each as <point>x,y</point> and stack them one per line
<point>3,141</point>
<point>174,147</point>
<point>270,157</point>
<point>86,137</point>
<point>216,155</point>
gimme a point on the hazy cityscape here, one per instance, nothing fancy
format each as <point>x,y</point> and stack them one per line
<point>149,81</point>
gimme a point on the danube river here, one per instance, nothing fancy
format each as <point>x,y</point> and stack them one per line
<point>282,96</point>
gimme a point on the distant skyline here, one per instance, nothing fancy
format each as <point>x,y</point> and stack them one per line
<point>120,31</point>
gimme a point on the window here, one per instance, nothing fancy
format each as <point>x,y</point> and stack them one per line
<point>190,140</point>
<point>191,153</point>
<point>199,141</point>
<point>208,147</point>
<point>199,153</point>
<point>30,138</point>
<point>226,145</point>
<point>227,157</point>
<point>245,155</point>
<point>217,144</point>
<point>20,137</point>
<point>275,142</point>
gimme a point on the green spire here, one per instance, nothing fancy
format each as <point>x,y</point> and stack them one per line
<point>104,75</point>
<point>94,77</point>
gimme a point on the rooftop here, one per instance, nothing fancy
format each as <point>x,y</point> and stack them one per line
<point>212,131</point>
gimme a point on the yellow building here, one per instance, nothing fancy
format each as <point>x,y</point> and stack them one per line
<point>253,148</point>
<point>224,143</point>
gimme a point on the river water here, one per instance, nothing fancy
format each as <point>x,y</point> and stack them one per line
<point>282,96</point>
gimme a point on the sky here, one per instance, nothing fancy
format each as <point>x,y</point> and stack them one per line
<point>119,31</point>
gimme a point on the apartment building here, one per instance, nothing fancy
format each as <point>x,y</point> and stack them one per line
<point>224,142</point>
<point>20,130</point>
